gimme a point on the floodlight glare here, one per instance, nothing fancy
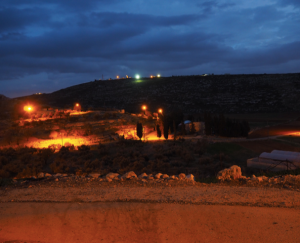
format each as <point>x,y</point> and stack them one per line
<point>137,76</point>
<point>158,75</point>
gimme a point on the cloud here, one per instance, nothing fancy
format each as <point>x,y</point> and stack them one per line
<point>81,40</point>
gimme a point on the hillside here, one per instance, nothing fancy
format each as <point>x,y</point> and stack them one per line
<point>191,94</point>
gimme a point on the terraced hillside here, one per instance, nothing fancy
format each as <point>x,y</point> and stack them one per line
<point>191,94</point>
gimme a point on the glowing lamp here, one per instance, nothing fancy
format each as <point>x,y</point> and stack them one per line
<point>158,75</point>
<point>160,110</point>
<point>117,77</point>
<point>137,76</point>
<point>27,108</point>
<point>144,107</point>
<point>77,104</point>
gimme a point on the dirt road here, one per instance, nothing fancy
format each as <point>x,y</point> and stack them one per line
<point>146,222</point>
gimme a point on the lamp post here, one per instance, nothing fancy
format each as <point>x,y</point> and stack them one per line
<point>144,109</point>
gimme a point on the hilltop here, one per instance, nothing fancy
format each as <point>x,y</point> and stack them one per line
<point>191,94</point>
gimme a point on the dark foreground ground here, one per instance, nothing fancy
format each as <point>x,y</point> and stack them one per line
<point>146,222</point>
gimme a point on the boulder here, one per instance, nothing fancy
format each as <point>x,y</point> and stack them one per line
<point>172,177</point>
<point>128,175</point>
<point>158,175</point>
<point>181,176</point>
<point>165,176</point>
<point>190,177</point>
<point>143,175</point>
<point>234,172</point>
<point>59,175</point>
<point>41,175</point>
<point>111,175</point>
<point>48,175</point>
<point>94,175</point>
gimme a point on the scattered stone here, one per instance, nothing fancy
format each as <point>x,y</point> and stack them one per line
<point>64,175</point>
<point>165,176</point>
<point>111,175</point>
<point>41,175</point>
<point>190,177</point>
<point>56,179</point>
<point>181,176</point>
<point>94,175</point>
<point>172,177</point>
<point>58,175</point>
<point>234,172</point>
<point>158,175</point>
<point>108,180</point>
<point>128,175</point>
<point>48,175</point>
<point>143,175</point>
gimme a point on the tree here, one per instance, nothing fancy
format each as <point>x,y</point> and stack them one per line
<point>182,128</point>
<point>166,131</point>
<point>174,127</point>
<point>193,129</point>
<point>158,131</point>
<point>139,130</point>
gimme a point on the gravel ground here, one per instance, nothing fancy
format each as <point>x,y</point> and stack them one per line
<point>188,192</point>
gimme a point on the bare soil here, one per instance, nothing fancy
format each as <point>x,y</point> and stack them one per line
<point>146,222</point>
<point>136,211</point>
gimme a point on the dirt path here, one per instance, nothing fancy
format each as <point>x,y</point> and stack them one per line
<point>146,222</point>
<point>212,194</point>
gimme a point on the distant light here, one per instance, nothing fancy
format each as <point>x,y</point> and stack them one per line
<point>160,110</point>
<point>144,107</point>
<point>27,108</point>
<point>151,76</point>
<point>126,76</point>
<point>117,77</point>
<point>77,104</point>
<point>137,76</point>
<point>158,75</point>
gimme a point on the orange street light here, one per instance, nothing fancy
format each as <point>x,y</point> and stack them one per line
<point>160,111</point>
<point>144,107</point>
<point>77,104</point>
<point>117,77</point>
<point>27,108</point>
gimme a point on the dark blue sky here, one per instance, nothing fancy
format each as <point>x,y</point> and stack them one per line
<point>46,45</point>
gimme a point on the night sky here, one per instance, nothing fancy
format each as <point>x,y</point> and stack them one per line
<point>46,45</point>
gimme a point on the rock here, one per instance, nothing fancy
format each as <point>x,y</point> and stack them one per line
<point>128,175</point>
<point>181,176</point>
<point>165,176</point>
<point>58,175</point>
<point>172,177</point>
<point>150,177</point>
<point>108,180</point>
<point>41,175</point>
<point>111,175</point>
<point>190,177</point>
<point>259,179</point>
<point>234,172</point>
<point>158,175</point>
<point>64,175</point>
<point>33,177</point>
<point>143,175</point>
<point>48,175</point>
<point>94,175</point>
<point>56,179</point>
